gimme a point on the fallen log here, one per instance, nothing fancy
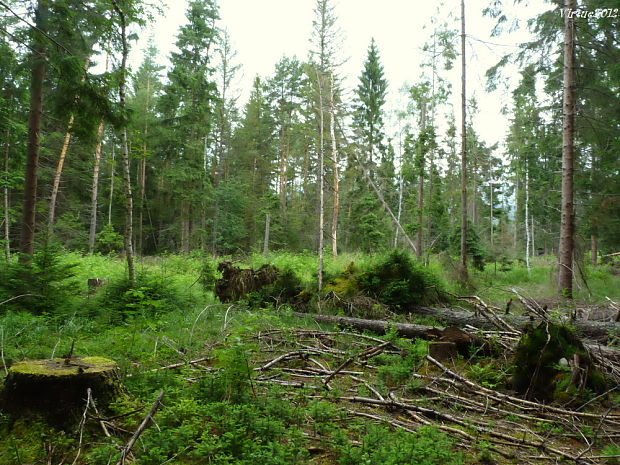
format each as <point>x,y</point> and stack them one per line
<point>435,332</point>
<point>597,331</point>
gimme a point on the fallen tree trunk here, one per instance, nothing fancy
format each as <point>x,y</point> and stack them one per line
<point>435,332</point>
<point>597,331</point>
<point>376,326</point>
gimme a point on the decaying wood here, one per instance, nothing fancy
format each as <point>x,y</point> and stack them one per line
<point>592,330</point>
<point>143,425</point>
<point>237,282</point>
<point>462,408</point>
<point>604,357</point>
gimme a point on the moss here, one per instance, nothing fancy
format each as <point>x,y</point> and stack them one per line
<point>56,389</point>
<point>58,367</point>
<point>536,370</point>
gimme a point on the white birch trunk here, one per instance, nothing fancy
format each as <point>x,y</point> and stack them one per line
<point>527,218</point>
<point>93,192</point>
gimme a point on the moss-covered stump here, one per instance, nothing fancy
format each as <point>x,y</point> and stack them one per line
<point>57,388</point>
<point>552,364</point>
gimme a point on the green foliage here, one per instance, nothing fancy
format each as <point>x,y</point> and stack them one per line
<point>208,274</point>
<point>380,446</point>
<point>153,294</point>
<point>399,281</point>
<point>108,241</point>
<point>488,374</point>
<point>233,382</point>
<point>475,249</point>
<point>45,285</point>
<point>221,433</point>
<point>535,365</point>
<point>285,289</point>
<point>394,369</point>
<point>612,452</point>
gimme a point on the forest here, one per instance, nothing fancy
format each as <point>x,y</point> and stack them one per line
<point>312,274</point>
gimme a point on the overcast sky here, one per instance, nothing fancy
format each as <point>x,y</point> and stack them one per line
<point>262,31</point>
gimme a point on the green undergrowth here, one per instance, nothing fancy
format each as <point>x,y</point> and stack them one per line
<point>224,416</point>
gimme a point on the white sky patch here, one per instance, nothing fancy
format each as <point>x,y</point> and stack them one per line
<point>262,31</point>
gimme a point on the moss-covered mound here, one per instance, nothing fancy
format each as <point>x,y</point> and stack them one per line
<point>551,363</point>
<point>395,280</point>
<point>57,388</point>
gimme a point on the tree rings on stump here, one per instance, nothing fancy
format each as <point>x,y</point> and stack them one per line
<point>57,388</point>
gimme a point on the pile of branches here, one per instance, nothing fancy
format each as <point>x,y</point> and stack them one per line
<point>321,361</point>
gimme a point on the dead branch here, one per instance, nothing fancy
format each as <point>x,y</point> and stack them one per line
<point>143,425</point>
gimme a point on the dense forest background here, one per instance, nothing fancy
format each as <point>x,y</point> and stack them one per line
<point>206,173</point>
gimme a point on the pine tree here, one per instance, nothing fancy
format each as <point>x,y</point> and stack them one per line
<point>187,105</point>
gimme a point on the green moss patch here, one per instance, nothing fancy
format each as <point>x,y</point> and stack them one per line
<point>63,367</point>
<point>542,365</point>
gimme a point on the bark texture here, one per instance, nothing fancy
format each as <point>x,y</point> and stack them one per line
<point>567,233</point>
<point>464,276</point>
<point>34,132</point>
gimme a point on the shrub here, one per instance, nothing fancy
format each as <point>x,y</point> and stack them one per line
<point>151,295</point>
<point>536,370</point>
<point>379,446</point>
<point>284,290</point>
<point>46,284</point>
<point>208,274</point>
<point>108,240</point>
<point>399,281</point>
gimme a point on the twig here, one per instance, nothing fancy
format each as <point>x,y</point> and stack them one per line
<point>367,353</point>
<point>81,426</point>
<point>6,370</point>
<point>145,422</point>
<point>18,296</point>
<point>91,402</point>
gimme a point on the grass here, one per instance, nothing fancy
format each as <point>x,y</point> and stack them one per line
<point>220,419</point>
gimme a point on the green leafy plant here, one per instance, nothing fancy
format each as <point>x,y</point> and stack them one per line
<point>108,241</point>
<point>398,281</point>
<point>44,285</point>
<point>379,446</point>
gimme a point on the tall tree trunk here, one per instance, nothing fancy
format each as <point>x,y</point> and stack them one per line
<point>491,212</point>
<point>34,130</point>
<point>527,215</point>
<point>336,181</point>
<point>93,192</point>
<point>142,168</point>
<point>400,187</point>
<point>126,173</point>
<point>593,249</point>
<point>463,270</point>
<point>321,181</point>
<point>565,275</point>
<point>58,173</point>
<point>533,253</point>
<point>266,238</point>
<point>420,232</point>
<point>142,194</point>
<point>282,169</point>
<point>7,218</point>
<point>515,230</point>
<point>111,199</point>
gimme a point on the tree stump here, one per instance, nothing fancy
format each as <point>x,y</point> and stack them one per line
<point>57,388</point>
<point>442,351</point>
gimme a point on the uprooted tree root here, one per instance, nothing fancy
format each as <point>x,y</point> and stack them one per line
<point>237,282</point>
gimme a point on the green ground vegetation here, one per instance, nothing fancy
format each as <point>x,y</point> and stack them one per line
<point>224,416</point>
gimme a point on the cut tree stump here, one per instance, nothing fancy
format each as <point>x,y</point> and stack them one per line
<point>442,350</point>
<point>56,388</point>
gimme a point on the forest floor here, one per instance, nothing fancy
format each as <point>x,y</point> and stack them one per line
<point>247,386</point>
